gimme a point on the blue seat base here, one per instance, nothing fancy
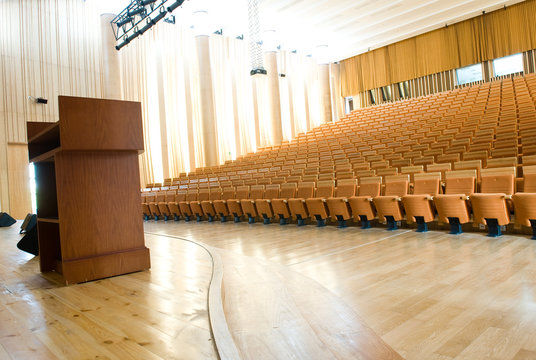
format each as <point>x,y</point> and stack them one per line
<point>494,230</point>
<point>342,222</point>
<point>365,223</point>
<point>391,223</point>
<point>319,221</point>
<point>421,225</point>
<point>455,226</point>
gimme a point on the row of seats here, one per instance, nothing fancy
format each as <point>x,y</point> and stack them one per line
<point>488,121</point>
<point>478,128</point>
<point>453,199</point>
<point>278,176</point>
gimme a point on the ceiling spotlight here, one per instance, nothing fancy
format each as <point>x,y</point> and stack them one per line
<point>124,21</point>
<point>146,27</point>
<point>122,44</point>
<point>138,11</point>
<point>134,35</point>
<point>159,17</point>
<point>147,2</point>
<point>170,19</point>
<point>175,5</point>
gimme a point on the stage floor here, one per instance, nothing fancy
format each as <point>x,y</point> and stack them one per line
<point>427,295</point>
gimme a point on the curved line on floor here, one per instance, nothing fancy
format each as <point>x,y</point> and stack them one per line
<point>223,339</point>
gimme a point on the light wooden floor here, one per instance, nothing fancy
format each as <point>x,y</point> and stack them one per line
<point>156,314</point>
<point>276,313</point>
<point>430,296</point>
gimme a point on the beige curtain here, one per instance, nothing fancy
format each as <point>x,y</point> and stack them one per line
<point>47,48</point>
<point>301,97</point>
<point>242,108</point>
<point>232,86</point>
<point>496,34</point>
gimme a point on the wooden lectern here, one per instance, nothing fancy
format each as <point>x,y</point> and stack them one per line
<point>89,220</point>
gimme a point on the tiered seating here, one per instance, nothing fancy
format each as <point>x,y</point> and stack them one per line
<point>525,202</point>
<point>419,205</point>
<point>410,146</point>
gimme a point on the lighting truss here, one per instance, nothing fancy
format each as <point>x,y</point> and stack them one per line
<point>138,17</point>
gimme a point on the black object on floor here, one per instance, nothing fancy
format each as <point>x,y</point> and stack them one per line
<point>6,220</point>
<point>29,242</point>
<point>29,222</point>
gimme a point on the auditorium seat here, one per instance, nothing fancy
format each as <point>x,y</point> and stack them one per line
<point>316,206</point>
<point>146,198</point>
<point>389,205</point>
<point>220,206</point>
<point>195,205</point>
<point>529,160</point>
<point>234,205</point>
<point>442,168</point>
<point>173,205</point>
<point>163,205</point>
<point>488,125</point>
<point>525,202</point>
<point>502,162</point>
<point>248,204</point>
<point>264,205</point>
<point>297,205</point>
<point>411,171</point>
<point>207,206</point>
<point>492,205</point>
<point>452,207</point>
<point>338,206</point>
<point>419,205</point>
<point>469,165</point>
<point>153,205</point>
<point>184,206</point>
<point>280,205</point>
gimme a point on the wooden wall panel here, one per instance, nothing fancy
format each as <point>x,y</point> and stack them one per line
<point>47,48</point>
<point>486,37</point>
<point>4,183</point>
<point>20,202</point>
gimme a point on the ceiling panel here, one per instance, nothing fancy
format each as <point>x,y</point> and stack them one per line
<point>347,27</point>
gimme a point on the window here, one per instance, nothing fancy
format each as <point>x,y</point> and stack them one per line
<point>348,104</point>
<point>403,89</point>
<point>508,65</point>
<point>33,188</point>
<point>372,97</point>
<point>386,93</point>
<point>469,74</point>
